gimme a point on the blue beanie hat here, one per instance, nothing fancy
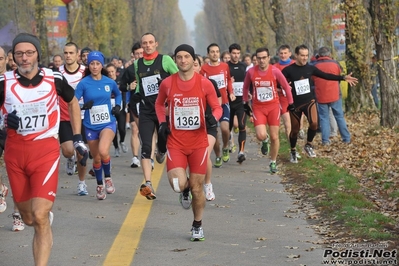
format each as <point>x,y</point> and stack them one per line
<point>95,55</point>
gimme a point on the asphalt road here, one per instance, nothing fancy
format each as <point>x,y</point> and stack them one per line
<point>253,221</point>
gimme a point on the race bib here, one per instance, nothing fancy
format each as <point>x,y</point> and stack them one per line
<point>112,102</point>
<point>81,103</point>
<point>302,86</point>
<point>32,117</point>
<point>99,115</point>
<point>187,118</point>
<point>238,88</point>
<point>264,94</point>
<point>150,85</point>
<point>220,80</point>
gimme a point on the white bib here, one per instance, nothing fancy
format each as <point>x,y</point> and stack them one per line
<point>150,85</point>
<point>302,86</point>
<point>238,88</point>
<point>99,115</point>
<point>187,118</point>
<point>220,80</point>
<point>264,94</point>
<point>33,117</point>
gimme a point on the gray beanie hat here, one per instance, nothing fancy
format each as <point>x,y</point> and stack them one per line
<point>26,37</point>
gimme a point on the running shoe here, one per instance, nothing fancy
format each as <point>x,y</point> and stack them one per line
<point>273,167</point>
<point>124,147</point>
<point>17,223</point>
<point>127,125</point>
<point>209,194</point>
<point>91,172</point>
<point>301,134</point>
<point>135,162</point>
<point>160,157</point>
<point>309,150</point>
<point>3,195</point>
<point>293,157</point>
<point>185,199</point>
<point>265,148</point>
<point>197,234</point>
<point>70,167</point>
<point>147,191</point>
<point>51,217</point>
<point>152,164</point>
<point>236,130</point>
<point>233,148</point>
<point>109,185</point>
<point>100,192</point>
<point>117,152</point>
<point>218,162</point>
<point>226,155</point>
<point>240,157</point>
<point>82,189</point>
<point>298,156</point>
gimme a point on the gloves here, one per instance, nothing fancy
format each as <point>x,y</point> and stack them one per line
<point>163,130</point>
<point>247,109</point>
<point>116,110</point>
<point>80,148</point>
<point>136,97</point>
<point>11,120</point>
<point>159,82</point>
<point>291,108</point>
<point>211,120</point>
<point>87,105</point>
<point>3,135</point>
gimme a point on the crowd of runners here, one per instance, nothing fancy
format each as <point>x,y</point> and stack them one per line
<point>180,107</point>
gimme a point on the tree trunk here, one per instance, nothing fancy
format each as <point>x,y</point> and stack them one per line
<point>384,15</point>
<point>42,31</point>
<point>279,22</point>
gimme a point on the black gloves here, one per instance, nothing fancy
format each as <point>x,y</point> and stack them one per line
<point>116,110</point>
<point>247,109</point>
<point>3,135</point>
<point>159,82</point>
<point>80,148</point>
<point>87,105</point>
<point>136,97</point>
<point>163,130</point>
<point>11,120</point>
<point>291,108</point>
<point>211,120</point>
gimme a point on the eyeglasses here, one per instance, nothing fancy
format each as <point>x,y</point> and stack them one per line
<point>28,53</point>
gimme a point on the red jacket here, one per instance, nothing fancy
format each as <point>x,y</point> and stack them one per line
<point>327,91</point>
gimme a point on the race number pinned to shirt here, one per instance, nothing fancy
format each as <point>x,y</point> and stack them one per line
<point>264,94</point>
<point>220,80</point>
<point>150,85</point>
<point>99,115</point>
<point>187,118</point>
<point>33,117</point>
<point>302,86</point>
<point>238,88</point>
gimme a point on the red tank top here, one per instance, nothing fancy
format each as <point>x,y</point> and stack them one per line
<point>265,87</point>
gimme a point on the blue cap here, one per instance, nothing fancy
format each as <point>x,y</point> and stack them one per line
<point>95,55</point>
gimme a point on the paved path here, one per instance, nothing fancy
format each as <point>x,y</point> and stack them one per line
<point>253,221</point>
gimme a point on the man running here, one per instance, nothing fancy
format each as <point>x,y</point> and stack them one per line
<point>187,94</point>
<point>299,75</point>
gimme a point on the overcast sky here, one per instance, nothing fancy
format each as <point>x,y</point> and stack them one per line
<point>189,8</point>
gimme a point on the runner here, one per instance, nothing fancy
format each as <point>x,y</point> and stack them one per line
<point>99,120</point>
<point>265,102</point>
<point>32,122</point>
<point>299,75</point>
<point>220,72</point>
<point>237,72</point>
<point>187,94</point>
<point>150,69</point>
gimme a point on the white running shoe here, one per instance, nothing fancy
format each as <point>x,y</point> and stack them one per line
<point>70,167</point>
<point>117,152</point>
<point>124,147</point>
<point>209,192</point>
<point>82,189</point>
<point>185,199</point>
<point>100,192</point>
<point>309,151</point>
<point>127,125</point>
<point>197,234</point>
<point>3,195</point>
<point>135,162</point>
<point>17,223</point>
<point>109,185</point>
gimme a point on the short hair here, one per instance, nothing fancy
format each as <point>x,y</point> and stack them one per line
<point>73,44</point>
<point>283,47</point>
<point>212,45</point>
<point>110,65</point>
<point>301,47</point>
<point>324,51</point>
<point>262,49</point>
<point>136,46</point>
<point>234,46</point>
<point>223,54</point>
<point>148,33</point>
<point>57,55</point>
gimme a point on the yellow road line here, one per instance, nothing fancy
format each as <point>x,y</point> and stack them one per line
<point>126,242</point>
